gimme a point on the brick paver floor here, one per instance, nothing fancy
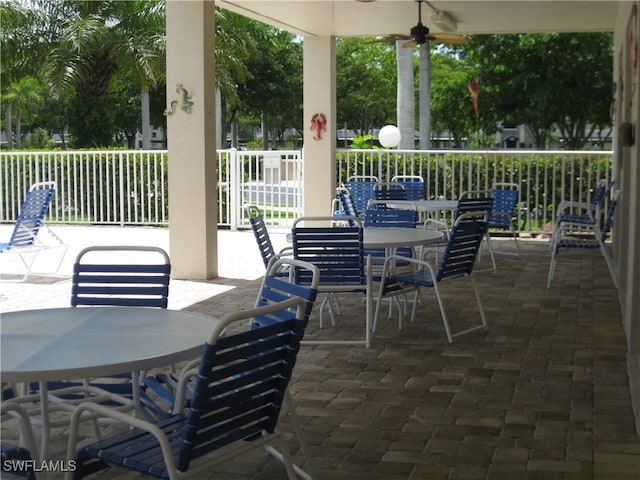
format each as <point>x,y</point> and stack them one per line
<point>544,394</point>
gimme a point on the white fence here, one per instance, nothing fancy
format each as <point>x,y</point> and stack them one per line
<point>130,187</point>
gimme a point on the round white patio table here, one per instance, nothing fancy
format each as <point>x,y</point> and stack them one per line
<point>73,343</point>
<point>430,207</point>
<point>392,238</point>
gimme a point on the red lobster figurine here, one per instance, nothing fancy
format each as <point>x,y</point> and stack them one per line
<point>318,125</point>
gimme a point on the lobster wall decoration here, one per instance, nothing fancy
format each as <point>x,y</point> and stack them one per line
<point>318,125</point>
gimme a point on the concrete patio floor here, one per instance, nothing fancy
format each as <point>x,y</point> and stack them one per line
<point>544,394</point>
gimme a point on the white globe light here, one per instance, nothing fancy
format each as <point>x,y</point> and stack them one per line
<point>389,136</point>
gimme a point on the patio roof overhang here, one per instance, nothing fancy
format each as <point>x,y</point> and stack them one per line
<point>319,18</point>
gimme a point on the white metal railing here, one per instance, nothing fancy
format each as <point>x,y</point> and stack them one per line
<point>545,177</point>
<point>129,187</point>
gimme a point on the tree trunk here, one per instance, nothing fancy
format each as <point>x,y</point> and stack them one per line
<point>405,96</point>
<point>146,123</point>
<point>8,128</point>
<point>265,132</point>
<point>425,95</point>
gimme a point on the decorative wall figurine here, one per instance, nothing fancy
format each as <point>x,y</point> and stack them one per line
<point>318,125</point>
<point>183,102</point>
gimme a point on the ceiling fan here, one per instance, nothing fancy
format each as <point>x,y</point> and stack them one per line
<point>420,34</point>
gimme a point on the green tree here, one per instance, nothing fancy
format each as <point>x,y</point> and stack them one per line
<point>546,80</point>
<point>234,46</point>
<point>88,42</point>
<point>22,98</point>
<point>18,71</point>
<point>273,92</point>
<point>365,83</point>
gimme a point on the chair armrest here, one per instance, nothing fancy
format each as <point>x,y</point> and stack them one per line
<point>391,260</point>
<point>566,205</point>
<point>431,224</point>
<point>474,193</point>
<point>286,251</point>
<point>132,421</point>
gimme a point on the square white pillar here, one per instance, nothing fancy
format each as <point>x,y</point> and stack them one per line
<point>319,175</point>
<point>191,138</point>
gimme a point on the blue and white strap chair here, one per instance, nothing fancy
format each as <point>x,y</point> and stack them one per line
<point>584,213</point>
<point>121,275</point>
<point>571,235</point>
<point>263,240</point>
<point>348,206</point>
<point>361,190</point>
<point>389,191</point>
<point>506,198</point>
<point>240,387</point>
<point>478,200</point>
<point>413,185</point>
<point>457,263</point>
<point>31,235</point>
<point>274,288</point>
<point>338,253</point>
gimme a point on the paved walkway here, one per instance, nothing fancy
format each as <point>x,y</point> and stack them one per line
<point>53,290</point>
<point>543,395</point>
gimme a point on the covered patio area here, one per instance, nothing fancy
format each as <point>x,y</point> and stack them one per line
<point>544,394</point>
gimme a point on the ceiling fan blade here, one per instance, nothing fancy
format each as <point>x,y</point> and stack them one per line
<point>389,39</point>
<point>450,38</point>
<point>410,44</point>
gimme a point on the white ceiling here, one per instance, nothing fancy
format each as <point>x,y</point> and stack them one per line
<point>387,17</point>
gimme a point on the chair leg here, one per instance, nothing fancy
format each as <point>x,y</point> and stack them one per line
<point>487,237</point>
<point>490,246</point>
<point>479,328</point>
<point>552,266</point>
<point>607,259</point>
<point>368,314</point>
<point>282,454</point>
<point>443,313</point>
<point>299,434</point>
<point>515,239</point>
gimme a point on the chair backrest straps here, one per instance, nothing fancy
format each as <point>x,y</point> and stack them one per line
<point>474,204</point>
<point>120,284</point>
<point>375,217</point>
<point>241,385</point>
<point>348,205</point>
<point>463,245</point>
<point>276,289</point>
<point>598,196</point>
<point>256,220</point>
<point>336,251</point>
<point>608,221</point>
<point>413,185</point>
<point>390,191</point>
<point>361,191</point>
<point>505,201</point>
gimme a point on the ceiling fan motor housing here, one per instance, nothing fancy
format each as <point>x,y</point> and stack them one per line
<point>420,34</point>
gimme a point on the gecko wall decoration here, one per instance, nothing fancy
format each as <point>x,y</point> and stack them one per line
<point>183,101</point>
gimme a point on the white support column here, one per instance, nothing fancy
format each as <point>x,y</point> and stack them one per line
<point>191,139</point>
<point>319,169</point>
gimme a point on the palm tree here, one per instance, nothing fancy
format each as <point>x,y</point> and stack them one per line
<point>21,97</point>
<point>88,41</point>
